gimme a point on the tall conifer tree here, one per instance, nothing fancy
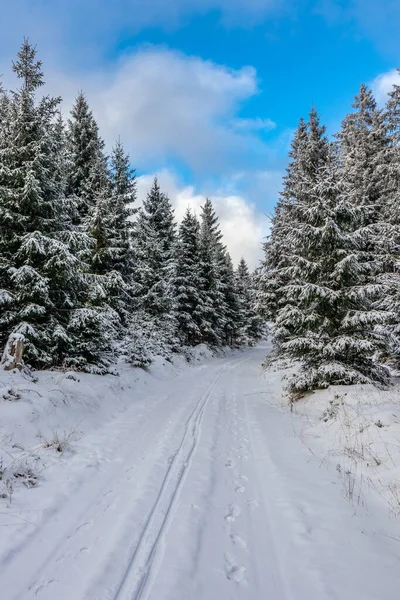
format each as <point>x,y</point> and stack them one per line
<point>189,300</point>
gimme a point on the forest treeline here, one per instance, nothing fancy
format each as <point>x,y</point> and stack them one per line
<point>85,275</point>
<point>330,279</point>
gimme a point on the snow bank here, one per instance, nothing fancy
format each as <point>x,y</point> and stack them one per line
<point>44,419</point>
<point>353,429</point>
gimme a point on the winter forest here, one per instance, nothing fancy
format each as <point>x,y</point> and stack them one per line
<point>175,426</point>
<point>85,276</point>
<point>330,280</point>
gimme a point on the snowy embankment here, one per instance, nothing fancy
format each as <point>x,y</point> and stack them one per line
<point>47,418</point>
<point>353,429</point>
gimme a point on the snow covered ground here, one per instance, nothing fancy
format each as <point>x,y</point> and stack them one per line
<point>187,483</point>
<point>355,429</point>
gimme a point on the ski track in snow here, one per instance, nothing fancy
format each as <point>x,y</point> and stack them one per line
<point>143,559</point>
<point>202,492</point>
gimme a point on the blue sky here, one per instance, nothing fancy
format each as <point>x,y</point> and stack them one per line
<point>206,93</point>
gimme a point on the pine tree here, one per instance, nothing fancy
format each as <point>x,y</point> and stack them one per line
<point>123,196</point>
<point>7,217</point>
<point>87,163</point>
<point>389,233</point>
<point>153,326</point>
<point>249,322</point>
<point>189,301</point>
<point>154,245</point>
<point>214,307</point>
<point>90,194</point>
<point>272,276</point>
<point>363,143</point>
<point>328,321</point>
<point>230,307</point>
<point>38,268</point>
<point>109,226</point>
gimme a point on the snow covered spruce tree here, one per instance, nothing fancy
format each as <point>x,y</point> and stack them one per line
<point>189,298</point>
<point>107,223</point>
<point>272,274</point>
<point>110,227</point>
<point>218,285</point>
<point>231,306</point>
<point>154,245</point>
<point>86,157</point>
<point>249,322</point>
<point>39,271</point>
<point>214,308</point>
<point>390,229</point>
<point>123,196</point>
<point>94,206</point>
<point>363,143</point>
<point>329,320</point>
<point>6,299</point>
<point>366,153</point>
<point>153,327</point>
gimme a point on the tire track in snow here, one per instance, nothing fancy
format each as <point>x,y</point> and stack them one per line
<point>147,554</point>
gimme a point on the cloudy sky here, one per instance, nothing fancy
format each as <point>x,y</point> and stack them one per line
<point>206,93</point>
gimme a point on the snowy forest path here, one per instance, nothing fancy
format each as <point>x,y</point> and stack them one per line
<point>201,491</point>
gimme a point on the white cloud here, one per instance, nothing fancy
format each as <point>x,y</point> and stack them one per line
<point>167,105</point>
<point>383,84</point>
<point>243,226</point>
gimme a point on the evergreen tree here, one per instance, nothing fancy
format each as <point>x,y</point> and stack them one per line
<point>227,285</point>
<point>273,275</point>
<point>211,248</point>
<point>109,226</point>
<point>90,190</point>
<point>153,326</point>
<point>328,321</point>
<point>189,301</point>
<point>87,163</point>
<point>123,196</point>
<point>6,299</point>
<point>389,234</point>
<point>38,270</point>
<point>363,143</point>
<point>249,322</point>
<point>154,248</point>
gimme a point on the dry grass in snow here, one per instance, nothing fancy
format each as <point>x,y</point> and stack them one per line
<point>354,429</point>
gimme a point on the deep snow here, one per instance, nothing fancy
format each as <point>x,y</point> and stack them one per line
<point>188,483</point>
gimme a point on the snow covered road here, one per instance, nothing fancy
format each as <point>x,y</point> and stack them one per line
<point>201,491</point>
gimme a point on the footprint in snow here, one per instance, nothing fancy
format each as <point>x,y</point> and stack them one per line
<point>83,550</point>
<point>63,557</point>
<point>233,512</point>
<point>83,527</point>
<point>240,489</point>
<point>41,586</point>
<point>238,541</point>
<point>233,571</point>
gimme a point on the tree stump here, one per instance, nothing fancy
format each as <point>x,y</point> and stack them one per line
<point>12,355</point>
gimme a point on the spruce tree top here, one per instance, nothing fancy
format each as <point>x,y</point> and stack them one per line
<point>27,68</point>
